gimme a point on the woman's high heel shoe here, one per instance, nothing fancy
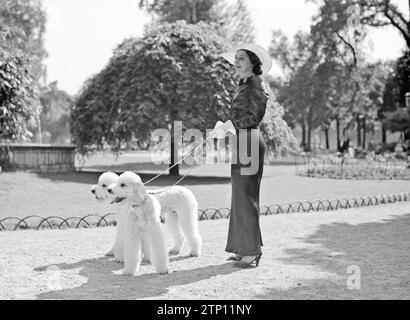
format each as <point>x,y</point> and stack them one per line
<point>234,258</point>
<point>249,264</point>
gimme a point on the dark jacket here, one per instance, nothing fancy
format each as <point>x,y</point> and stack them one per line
<point>249,103</point>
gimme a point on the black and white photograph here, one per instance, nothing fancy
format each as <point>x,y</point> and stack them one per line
<point>222,152</point>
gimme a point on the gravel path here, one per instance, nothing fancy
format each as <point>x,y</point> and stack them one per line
<point>326,255</point>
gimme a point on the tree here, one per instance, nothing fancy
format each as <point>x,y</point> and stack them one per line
<point>337,29</point>
<point>389,104</point>
<point>56,105</point>
<point>25,23</point>
<point>18,100</point>
<point>373,79</point>
<point>360,15</point>
<point>306,84</point>
<point>22,26</point>
<point>381,13</point>
<point>174,73</point>
<point>397,84</point>
<point>366,13</point>
<point>191,11</point>
<point>291,57</point>
<point>397,121</point>
<point>277,134</point>
<point>19,107</point>
<point>232,21</point>
<point>403,77</point>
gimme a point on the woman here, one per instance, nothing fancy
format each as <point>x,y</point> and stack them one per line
<point>248,109</point>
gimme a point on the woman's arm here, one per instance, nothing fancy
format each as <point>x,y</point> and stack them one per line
<point>248,108</point>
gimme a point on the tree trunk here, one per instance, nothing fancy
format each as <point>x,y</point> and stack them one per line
<point>173,171</point>
<point>309,138</point>
<point>40,136</point>
<point>338,133</point>
<point>364,133</point>
<point>303,143</point>
<point>327,138</point>
<point>359,136</point>
<point>408,38</point>
<point>407,132</point>
<point>194,16</point>
<point>384,133</point>
<point>309,130</point>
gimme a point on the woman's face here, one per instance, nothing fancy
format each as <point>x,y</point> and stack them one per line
<point>243,64</point>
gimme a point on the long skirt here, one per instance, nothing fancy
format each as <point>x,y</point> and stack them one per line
<point>244,235</point>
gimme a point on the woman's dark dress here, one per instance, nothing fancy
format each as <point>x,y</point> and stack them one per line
<point>248,109</point>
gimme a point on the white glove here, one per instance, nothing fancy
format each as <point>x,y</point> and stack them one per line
<point>218,132</point>
<point>219,123</point>
<point>222,129</point>
<point>229,127</point>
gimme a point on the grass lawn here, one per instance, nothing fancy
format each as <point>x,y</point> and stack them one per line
<point>68,194</point>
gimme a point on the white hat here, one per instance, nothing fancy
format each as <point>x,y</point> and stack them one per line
<point>260,52</point>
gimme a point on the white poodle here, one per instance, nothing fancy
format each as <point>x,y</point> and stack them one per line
<point>179,209</point>
<point>100,192</point>
<point>142,221</point>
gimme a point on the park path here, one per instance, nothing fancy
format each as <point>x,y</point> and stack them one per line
<point>348,254</point>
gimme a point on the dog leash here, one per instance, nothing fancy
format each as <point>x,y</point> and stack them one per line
<point>179,162</point>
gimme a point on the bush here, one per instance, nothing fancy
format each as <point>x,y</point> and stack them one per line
<point>375,166</point>
<point>385,147</point>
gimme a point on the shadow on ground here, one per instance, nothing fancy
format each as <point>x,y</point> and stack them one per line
<point>91,177</point>
<point>381,250</point>
<point>102,283</point>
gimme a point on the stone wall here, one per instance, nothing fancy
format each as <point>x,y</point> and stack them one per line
<point>42,158</point>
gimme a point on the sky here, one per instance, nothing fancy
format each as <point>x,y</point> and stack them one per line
<point>81,34</point>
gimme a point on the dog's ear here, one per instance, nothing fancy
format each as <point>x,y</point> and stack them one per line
<point>140,189</point>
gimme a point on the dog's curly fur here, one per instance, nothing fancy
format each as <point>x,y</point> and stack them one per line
<point>143,223</point>
<point>179,209</point>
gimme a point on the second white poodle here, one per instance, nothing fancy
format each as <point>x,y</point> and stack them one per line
<point>179,209</point>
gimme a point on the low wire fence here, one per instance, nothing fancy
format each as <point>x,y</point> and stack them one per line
<point>35,222</point>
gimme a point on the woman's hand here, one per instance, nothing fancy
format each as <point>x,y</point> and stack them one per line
<point>218,132</point>
<point>229,127</point>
